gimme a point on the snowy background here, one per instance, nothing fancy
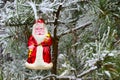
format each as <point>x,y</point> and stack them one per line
<point>87,31</point>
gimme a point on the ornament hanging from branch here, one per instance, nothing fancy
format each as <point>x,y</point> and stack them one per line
<point>39,43</point>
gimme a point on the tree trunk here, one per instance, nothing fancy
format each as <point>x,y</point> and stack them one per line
<point>55,43</point>
<point>55,54</point>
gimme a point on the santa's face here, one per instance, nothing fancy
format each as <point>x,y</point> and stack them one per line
<point>39,30</point>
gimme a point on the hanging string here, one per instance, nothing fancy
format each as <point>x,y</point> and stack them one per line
<point>34,9</point>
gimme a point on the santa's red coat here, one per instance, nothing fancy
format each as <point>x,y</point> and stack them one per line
<point>46,49</point>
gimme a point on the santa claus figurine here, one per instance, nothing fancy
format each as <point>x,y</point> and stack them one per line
<point>39,43</point>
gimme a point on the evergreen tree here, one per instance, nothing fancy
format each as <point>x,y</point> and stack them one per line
<point>85,37</point>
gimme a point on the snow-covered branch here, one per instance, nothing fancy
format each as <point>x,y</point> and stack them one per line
<point>19,24</point>
<point>44,78</point>
<point>49,76</point>
<point>55,77</point>
<point>87,71</point>
<point>74,29</point>
<point>67,77</point>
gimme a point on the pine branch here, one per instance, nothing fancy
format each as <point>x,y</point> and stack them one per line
<point>49,76</point>
<point>87,72</point>
<point>55,77</point>
<point>35,78</point>
<point>74,29</point>
<point>44,78</point>
<point>18,24</point>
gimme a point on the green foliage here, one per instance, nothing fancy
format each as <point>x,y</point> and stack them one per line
<point>101,55</point>
<point>107,12</point>
<point>16,70</point>
<point>93,46</point>
<point>18,30</point>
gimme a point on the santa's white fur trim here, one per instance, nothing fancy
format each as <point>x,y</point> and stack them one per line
<point>36,67</point>
<point>39,62</point>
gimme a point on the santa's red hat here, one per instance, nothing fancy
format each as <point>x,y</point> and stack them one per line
<point>40,21</point>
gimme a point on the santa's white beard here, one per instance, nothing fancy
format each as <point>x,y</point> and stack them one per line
<point>39,38</point>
